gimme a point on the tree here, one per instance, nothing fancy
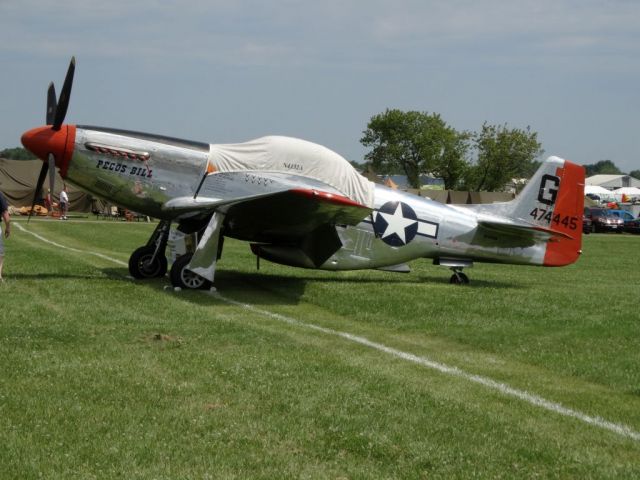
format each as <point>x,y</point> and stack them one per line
<point>603,167</point>
<point>502,154</point>
<point>451,164</point>
<point>17,153</point>
<point>635,174</point>
<point>358,166</point>
<point>415,143</point>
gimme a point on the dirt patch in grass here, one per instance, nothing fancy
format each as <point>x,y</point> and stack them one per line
<point>163,339</point>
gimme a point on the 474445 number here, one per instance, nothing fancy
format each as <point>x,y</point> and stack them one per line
<point>568,221</point>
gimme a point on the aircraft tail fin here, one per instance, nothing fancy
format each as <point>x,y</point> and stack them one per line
<point>552,202</point>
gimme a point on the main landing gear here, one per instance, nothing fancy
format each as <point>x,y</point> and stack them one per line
<point>184,278</point>
<point>149,261</point>
<point>195,268</point>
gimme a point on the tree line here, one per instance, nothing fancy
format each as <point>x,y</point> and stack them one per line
<point>416,143</point>
<point>17,153</point>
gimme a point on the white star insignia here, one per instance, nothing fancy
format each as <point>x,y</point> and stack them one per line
<point>396,223</point>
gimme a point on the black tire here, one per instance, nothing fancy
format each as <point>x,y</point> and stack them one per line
<point>459,278</point>
<point>141,267</point>
<point>183,278</point>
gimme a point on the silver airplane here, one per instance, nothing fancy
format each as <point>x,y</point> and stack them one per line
<point>298,204</point>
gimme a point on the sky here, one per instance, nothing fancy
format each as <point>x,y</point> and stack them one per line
<point>230,71</point>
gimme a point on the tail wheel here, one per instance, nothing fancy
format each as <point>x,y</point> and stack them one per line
<point>185,278</point>
<point>142,265</point>
<point>459,278</point>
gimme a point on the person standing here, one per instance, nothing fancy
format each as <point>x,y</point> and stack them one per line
<point>64,203</point>
<point>4,212</point>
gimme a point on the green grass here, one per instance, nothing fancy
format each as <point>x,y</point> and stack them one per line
<point>104,377</point>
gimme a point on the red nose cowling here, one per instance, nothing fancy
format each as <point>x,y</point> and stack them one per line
<point>42,141</point>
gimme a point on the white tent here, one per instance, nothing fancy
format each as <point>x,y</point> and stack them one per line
<point>598,190</point>
<point>629,192</point>
<point>632,191</point>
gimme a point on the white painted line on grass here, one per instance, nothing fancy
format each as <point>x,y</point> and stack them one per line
<point>40,237</point>
<point>503,388</point>
<point>449,370</point>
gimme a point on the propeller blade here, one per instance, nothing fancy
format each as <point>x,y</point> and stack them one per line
<point>41,177</point>
<point>52,173</point>
<point>63,101</point>
<point>52,104</point>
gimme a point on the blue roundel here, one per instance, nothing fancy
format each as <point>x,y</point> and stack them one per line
<point>396,223</point>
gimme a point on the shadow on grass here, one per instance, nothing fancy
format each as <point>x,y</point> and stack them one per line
<point>54,276</point>
<point>277,289</point>
<point>271,281</point>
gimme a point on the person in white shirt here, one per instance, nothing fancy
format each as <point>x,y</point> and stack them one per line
<point>64,203</point>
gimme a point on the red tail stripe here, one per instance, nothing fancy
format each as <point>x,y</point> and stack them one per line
<point>570,202</point>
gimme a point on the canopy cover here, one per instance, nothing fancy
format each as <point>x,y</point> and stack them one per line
<point>294,157</point>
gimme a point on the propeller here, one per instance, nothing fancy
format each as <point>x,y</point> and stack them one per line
<point>52,172</point>
<point>56,111</point>
<point>41,177</point>
<point>63,101</point>
<point>52,103</point>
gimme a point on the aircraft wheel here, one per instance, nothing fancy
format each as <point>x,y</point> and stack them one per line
<point>459,278</point>
<point>184,278</point>
<point>141,266</point>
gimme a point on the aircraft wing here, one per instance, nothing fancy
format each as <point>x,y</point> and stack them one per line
<point>275,217</point>
<point>511,234</point>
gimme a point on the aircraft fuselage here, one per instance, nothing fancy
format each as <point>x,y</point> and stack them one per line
<point>142,172</point>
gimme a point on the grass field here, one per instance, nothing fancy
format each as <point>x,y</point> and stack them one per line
<point>290,373</point>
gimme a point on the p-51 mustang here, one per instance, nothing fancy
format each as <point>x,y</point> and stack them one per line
<point>298,204</point>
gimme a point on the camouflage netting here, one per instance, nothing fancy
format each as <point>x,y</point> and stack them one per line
<point>18,181</point>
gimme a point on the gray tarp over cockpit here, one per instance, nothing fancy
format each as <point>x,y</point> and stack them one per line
<point>295,157</point>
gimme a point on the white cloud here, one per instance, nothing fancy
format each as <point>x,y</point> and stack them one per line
<point>307,33</point>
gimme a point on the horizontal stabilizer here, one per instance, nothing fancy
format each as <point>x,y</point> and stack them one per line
<point>548,211</point>
<point>506,234</point>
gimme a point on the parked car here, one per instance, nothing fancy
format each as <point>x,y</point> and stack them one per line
<point>593,196</point>
<point>623,214</point>
<point>602,220</point>
<point>586,225</point>
<point>632,226</point>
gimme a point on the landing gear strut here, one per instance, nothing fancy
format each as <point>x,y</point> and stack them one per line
<point>458,278</point>
<point>149,261</point>
<point>455,265</point>
<point>196,270</point>
<point>184,278</point>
